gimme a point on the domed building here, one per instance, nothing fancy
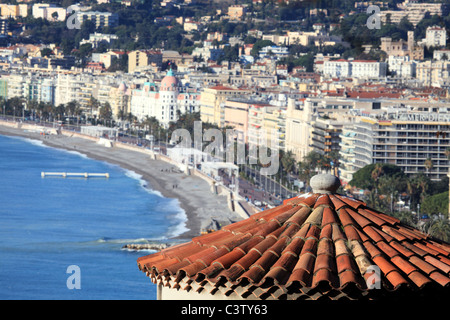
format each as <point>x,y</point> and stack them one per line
<point>168,94</point>
<point>169,83</point>
<point>165,101</point>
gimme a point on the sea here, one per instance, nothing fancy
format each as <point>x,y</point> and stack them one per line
<point>62,238</point>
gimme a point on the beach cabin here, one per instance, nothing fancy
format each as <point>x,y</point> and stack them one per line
<point>99,132</point>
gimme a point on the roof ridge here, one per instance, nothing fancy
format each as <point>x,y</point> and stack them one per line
<point>312,245</point>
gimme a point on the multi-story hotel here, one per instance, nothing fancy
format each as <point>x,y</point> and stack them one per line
<point>29,86</point>
<point>267,126</point>
<point>365,69</point>
<point>406,139</point>
<point>347,154</point>
<point>325,135</point>
<point>163,102</point>
<point>212,107</point>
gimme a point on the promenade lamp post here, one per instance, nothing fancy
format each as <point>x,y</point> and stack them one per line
<point>24,104</point>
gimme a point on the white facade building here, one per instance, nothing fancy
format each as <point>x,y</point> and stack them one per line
<point>402,66</point>
<point>337,68</point>
<point>49,12</point>
<point>365,69</point>
<point>436,37</point>
<point>163,103</point>
<point>368,69</point>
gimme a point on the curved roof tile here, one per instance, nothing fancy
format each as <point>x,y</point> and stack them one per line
<point>312,246</point>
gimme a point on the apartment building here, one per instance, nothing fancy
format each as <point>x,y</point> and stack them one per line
<point>368,69</point>
<point>100,19</point>
<point>415,12</point>
<point>49,12</point>
<point>139,60</point>
<point>212,107</point>
<point>207,53</point>
<point>432,73</point>
<point>363,69</point>
<point>95,39</point>
<point>236,116</point>
<point>14,10</point>
<point>29,86</point>
<point>337,68</point>
<point>406,139</point>
<point>39,89</point>
<point>347,154</point>
<point>443,54</point>
<point>402,66</point>
<point>75,87</point>
<point>299,115</point>
<point>236,12</point>
<point>119,100</point>
<point>436,37</point>
<point>267,126</point>
<point>325,135</point>
<point>276,52</point>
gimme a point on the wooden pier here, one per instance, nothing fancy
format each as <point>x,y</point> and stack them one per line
<point>76,175</point>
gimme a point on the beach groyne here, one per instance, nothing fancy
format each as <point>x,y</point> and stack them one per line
<point>147,246</point>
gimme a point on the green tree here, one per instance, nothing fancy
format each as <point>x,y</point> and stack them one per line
<point>439,228</point>
<point>391,187</point>
<point>287,161</point>
<point>258,45</point>
<point>46,52</point>
<point>363,177</point>
<point>436,204</point>
<point>105,112</point>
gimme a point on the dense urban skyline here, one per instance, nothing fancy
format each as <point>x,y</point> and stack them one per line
<point>358,90</point>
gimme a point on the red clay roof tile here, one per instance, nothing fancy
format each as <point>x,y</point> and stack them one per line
<point>312,246</point>
<point>438,264</point>
<point>419,279</point>
<point>360,220</point>
<point>440,278</point>
<point>337,203</point>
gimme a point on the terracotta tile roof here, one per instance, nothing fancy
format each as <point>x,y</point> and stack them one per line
<point>312,246</point>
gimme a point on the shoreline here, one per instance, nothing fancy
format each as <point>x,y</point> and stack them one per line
<point>194,195</point>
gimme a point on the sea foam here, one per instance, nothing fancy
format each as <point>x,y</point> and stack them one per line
<point>174,205</point>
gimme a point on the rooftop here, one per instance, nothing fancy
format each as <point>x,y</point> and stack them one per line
<point>316,245</point>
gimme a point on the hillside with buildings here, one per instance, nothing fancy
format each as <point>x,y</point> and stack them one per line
<point>312,72</point>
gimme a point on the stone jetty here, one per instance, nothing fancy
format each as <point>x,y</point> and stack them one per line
<point>146,246</point>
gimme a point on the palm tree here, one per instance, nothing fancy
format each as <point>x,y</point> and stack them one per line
<point>447,153</point>
<point>105,112</point>
<point>439,228</point>
<point>376,173</point>
<point>305,171</point>
<point>287,161</point>
<point>391,186</point>
<point>405,217</point>
<point>428,164</point>
<point>92,105</point>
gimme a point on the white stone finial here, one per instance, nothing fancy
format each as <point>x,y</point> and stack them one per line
<point>324,183</point>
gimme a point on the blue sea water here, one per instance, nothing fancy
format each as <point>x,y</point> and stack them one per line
<point>49,224</point>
